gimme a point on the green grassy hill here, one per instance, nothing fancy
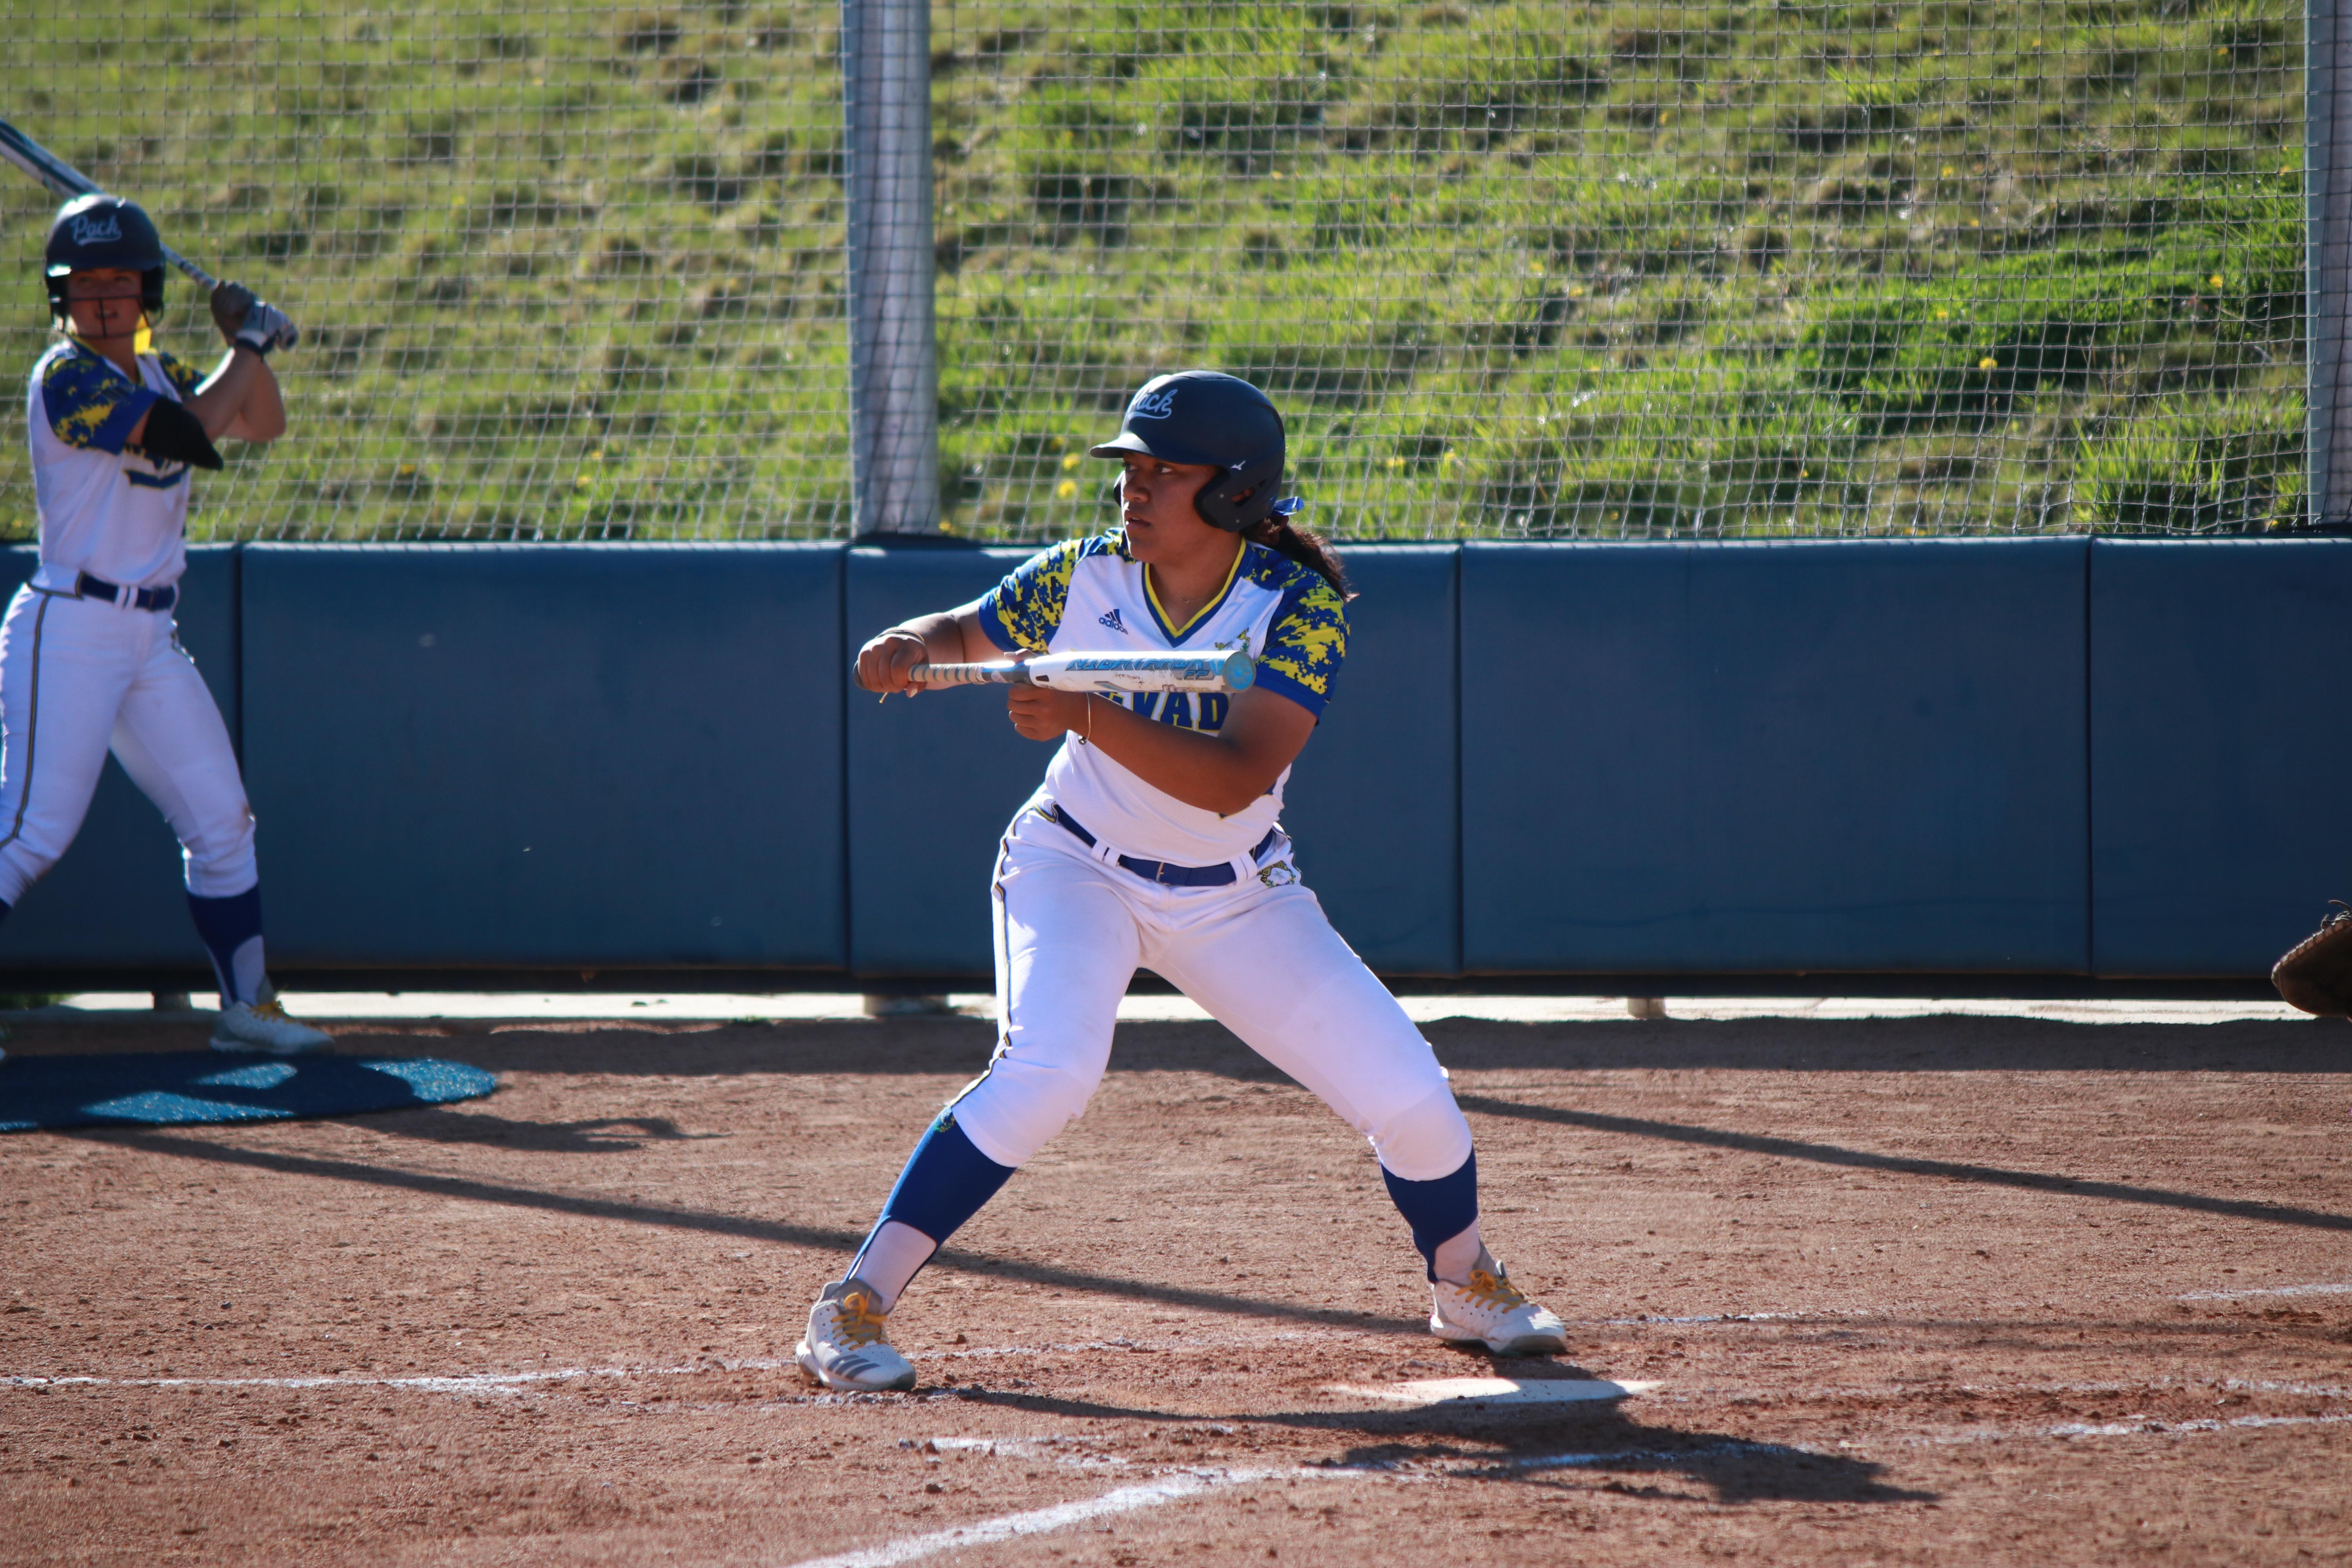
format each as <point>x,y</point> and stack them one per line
<point>1515,269</point>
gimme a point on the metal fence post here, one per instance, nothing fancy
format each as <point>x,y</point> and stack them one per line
<point>2327,257</point>
<point>885,90</point>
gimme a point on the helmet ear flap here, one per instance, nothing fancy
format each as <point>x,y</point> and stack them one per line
<point>1243,496</point>
<point>151,292</point>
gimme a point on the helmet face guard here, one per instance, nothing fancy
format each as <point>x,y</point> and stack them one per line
<point>1208,418</point>
<point>97,233</point>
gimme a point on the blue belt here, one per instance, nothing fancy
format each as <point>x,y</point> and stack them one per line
<point>1160,871</point>
<point>88,587</point>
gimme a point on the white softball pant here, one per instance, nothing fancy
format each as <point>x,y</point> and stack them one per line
<point>80,677</point>
<point>1073,926</point>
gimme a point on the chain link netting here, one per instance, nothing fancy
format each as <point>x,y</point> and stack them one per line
<point>562,271</point>
<point>1513,269</point>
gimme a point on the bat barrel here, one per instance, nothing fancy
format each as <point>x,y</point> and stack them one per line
<point>1215,669</point>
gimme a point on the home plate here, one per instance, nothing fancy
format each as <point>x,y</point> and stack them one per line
<point>1495,1390</point>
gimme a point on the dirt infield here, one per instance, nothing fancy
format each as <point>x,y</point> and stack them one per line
<point>1944,1290</point>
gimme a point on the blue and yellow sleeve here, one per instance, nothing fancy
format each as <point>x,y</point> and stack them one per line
<point>1025,610</point>
<point>186,377</point>
<point>89,405</point>
<point>1307,643</point>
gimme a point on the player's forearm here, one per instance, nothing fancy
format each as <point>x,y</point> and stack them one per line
<point>265,408</point>
<point>241,387</point>
<point>1219,772</point>
<point>951,637</point>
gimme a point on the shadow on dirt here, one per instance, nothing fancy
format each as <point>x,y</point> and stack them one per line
<point>1484,1443</point>
<point>610,1134</point>
<point>1904,1164</point>
<point>959,1047</point>
<point>1234,1061</point>
<point>819,1238</point>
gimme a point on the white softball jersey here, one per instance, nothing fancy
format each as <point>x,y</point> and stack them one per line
<point>106,507</point>
<point>1090,595</point>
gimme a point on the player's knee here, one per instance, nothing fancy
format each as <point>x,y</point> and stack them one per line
<point>21,865</point>
<point>1426,1139</point>
<point>1020,1107</point>
<point>219,857</point>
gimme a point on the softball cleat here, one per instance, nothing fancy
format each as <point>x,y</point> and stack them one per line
<point>849,1342</point>
<point>264,1026</point>
<point>1492,1311</point>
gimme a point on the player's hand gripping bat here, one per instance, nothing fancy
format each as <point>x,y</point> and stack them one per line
<point>67,182</point>
<point>1219,670</point>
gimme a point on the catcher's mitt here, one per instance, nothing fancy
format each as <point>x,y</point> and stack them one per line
<point>2316,975</point>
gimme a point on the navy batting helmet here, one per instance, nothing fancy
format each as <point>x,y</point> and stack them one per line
<point>1207,417</point>
<point>98,231</point>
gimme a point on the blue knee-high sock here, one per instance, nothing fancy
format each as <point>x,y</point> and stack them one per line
<point>227,926</point>
<point>945,1181</point>
<point>1437,1211</point>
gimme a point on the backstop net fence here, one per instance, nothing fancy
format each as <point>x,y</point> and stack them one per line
<point>1515,270</point>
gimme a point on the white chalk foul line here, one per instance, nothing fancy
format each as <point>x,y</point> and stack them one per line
<point>496,1382</point>
<point>1012,1526</point>
<point>2165,1428</point>
<point>430,1382</point>
<point>1055,1450</point>
<point>2269,1290</point>
<point>1131,1498</point>
<point>2134,1426</point>
<point>491,1381</point>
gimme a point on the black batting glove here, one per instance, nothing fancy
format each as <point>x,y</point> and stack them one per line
<point>231,302</point>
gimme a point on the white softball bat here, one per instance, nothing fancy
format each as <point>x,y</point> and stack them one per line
<point>1219,670</point>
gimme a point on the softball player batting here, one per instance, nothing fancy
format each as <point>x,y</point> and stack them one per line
<point>90,657</point>
<point>1155,841</point>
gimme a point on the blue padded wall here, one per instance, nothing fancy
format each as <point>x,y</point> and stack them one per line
<point>2219,754</point>
<point>1793,757</point>
<point>933,779</point>
<point>1373,801</point>
<point>596,754</point>
<point>116,898</point>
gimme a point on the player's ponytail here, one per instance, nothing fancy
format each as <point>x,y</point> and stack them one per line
<point>1304,545</point>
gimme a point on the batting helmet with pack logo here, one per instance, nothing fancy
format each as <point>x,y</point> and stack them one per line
<point>96,232</point>
<point>1208,418</point>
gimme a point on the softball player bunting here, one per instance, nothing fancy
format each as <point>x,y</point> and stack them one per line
<point>89,657</point>
<point>1156,842</point>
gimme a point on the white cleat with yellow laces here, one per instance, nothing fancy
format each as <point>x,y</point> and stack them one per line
<point>1492,1311</point>
<point>849,1342</point>
<point>264,1026</point>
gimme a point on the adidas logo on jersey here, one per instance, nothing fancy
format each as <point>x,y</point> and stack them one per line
<point>1111,620</point>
